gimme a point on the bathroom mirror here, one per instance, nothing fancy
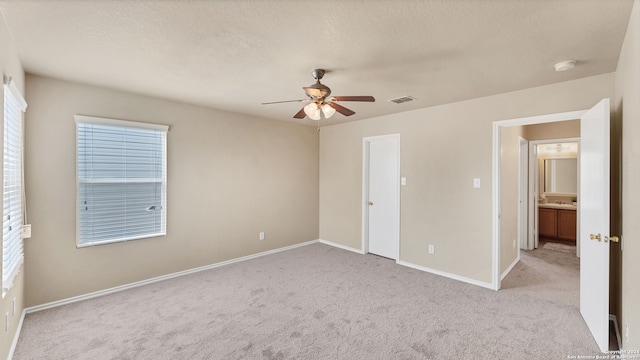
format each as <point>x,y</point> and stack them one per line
<point>560,175</point>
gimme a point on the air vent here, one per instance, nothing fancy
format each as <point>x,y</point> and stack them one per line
<point>402,99</point>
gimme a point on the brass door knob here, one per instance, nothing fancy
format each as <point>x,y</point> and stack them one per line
<point>596,237</point>
<point>370,203</point>
<point>613,239</point>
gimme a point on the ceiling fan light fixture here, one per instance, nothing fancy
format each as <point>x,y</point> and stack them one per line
<point>313,111</point>
<point>328,111</point>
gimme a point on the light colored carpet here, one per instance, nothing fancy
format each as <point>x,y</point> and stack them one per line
<point>569,249</point>
<point>548,275</point>
<point>319,302</point>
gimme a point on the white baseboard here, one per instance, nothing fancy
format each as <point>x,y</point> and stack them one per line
<point>418,267</point>
<point>506,272</point>
<point>341,246</point>
<point>16,336</point>
<point>447,275</point>
<point>159,278</point>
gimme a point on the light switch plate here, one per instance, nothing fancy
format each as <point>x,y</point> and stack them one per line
<point>403,181</point>
<point>476,183</point>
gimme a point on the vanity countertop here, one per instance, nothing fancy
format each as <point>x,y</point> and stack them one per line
<point>558,206</point>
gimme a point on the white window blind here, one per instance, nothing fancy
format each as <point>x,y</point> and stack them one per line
<point>121,175</point>
<point>12,200</point>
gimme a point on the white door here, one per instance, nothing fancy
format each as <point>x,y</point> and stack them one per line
<point>593,200</point>
<point>383,200</point>
<point>523,191</point>
<point>533,196</point>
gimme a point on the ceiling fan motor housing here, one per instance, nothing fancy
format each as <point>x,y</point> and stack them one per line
<point>317,90</point>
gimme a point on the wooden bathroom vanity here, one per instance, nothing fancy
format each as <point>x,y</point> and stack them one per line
<point>557,223</point>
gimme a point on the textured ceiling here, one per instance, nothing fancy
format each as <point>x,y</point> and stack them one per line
<point>234,55</point>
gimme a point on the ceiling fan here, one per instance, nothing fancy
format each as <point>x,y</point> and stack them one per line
<point>320,100</point>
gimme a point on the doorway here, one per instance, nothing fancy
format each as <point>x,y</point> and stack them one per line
<point>381,195</point>
<point>594,208</point>
<point>498,126</point>
<point>554,175</point>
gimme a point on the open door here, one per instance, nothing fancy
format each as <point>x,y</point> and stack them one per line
<point>523,195</point>
<point>593,200</point>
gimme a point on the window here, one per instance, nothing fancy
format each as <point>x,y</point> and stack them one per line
<point>121,180</point>
<point>12,199</point>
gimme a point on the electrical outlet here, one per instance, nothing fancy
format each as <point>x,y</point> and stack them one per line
<point>262,235</point>
<point>432,249</point>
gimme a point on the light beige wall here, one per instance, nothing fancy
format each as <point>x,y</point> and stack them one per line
<point>10,66</point>
<point>230,177</point>
<point>509,169</point>
<point>627,103</point>
<point>554,130</point>
<point>442,149</point>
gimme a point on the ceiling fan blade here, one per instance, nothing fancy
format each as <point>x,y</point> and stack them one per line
<point>300,114</point>
<point>353,98</point>
<point>286,101</point>
<point>341,109</point>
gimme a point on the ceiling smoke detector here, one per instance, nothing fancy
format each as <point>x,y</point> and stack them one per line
<point>565,65</point>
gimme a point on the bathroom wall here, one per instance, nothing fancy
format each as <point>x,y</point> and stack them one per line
<point>551,131</point>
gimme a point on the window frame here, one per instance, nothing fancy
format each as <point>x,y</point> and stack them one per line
<point>92,120</point>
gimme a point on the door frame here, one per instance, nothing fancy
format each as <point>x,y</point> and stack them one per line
<point>497,139</point>
<point>365,191</point>
<point>523,191</point>
<point>534,178</point>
